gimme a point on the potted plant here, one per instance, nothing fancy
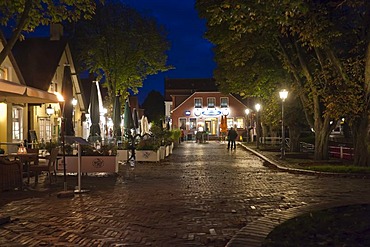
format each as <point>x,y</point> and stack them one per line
<point>148,150</point>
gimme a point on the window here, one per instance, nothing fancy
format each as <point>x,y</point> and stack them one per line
<point>17,120</point>
<point>4,73</point>
<point>193,124</point>
<point>211,102</point>
<point>182,123</point>
<point>45,129</point>
<point>230,123</point>
<point>198,102</point>
<point>240,122</point>
<point>224,102</point>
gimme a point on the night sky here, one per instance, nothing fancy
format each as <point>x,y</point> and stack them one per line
<point>190,54</point>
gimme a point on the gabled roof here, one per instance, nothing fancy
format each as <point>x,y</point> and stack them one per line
<point>187,86</point>
<point>38,59</point>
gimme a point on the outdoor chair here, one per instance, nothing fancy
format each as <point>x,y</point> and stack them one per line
<point>46,165</point>
<point>10,174</point>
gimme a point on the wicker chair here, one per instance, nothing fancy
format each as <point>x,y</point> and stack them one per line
<point>11,176</point>
<point>45,165</point>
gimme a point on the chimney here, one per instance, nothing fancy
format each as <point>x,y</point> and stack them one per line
<point>56,31</point>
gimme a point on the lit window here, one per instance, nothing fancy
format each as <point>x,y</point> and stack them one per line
<point>17,124</point>
<point>198,103</point>
<point>4,73</point>
<point>45,129</point>
<point>240,123</point>
<point>224,102</point>
<point>230,123</point>
<point>211,102</point>
<point>193,124</point>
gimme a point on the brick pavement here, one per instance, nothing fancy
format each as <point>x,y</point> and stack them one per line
<point>202,195</point>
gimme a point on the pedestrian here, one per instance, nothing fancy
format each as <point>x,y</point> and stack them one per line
<point>231,137</point>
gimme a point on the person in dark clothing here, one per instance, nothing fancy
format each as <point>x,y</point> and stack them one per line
<point>231,137</point>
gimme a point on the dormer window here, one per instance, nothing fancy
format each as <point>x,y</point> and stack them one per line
<point>224,102</point>
<point>198,103</point>
<point>211,102</point>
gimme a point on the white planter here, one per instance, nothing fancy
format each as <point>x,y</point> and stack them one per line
<point>90,164</point>
<point>122,156</point>
<point>171,147</point>
<point>147,155</point>
<point>162,152</point>
<point>167,150</point>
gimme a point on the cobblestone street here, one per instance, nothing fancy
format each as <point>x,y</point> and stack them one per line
<point>201,195</point>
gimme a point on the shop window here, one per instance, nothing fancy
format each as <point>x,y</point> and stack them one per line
<point>17,124</point>
<point>224,102</point>
<point>211,102</point>
<point>193,124</point>
<point>240,123</point>
<point>230,123</point>
<point>198,102</point>
<point>182,123</point>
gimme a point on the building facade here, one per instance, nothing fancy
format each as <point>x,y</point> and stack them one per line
<point>194,105</point>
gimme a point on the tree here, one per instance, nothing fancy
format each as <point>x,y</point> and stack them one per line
<point>121,47</point>
<point>153,106</point>
<point>26,15</point>
<point>323,59</point>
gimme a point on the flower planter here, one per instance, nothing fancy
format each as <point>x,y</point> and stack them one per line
<point>162,152</point>
<point>147,155</point>
<point>122,156</point>
<point>167,150</point>
<point>90,164</point>
<point>171,147</point>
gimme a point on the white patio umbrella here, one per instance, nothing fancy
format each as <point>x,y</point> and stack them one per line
<point>144,125</point>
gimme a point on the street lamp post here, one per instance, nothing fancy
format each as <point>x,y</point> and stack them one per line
<point>258,107</point>
<point>74,103</point>
<point>283,95</point>
<point>247,111</point>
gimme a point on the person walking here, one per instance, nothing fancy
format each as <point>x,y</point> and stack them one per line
<point>231,137</point>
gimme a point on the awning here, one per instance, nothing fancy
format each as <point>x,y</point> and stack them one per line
<point>16,93</point>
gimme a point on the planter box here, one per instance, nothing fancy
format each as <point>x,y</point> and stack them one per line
<point>147,155</point>
<point>90,164</point>
<point>171,147</point>
<point>122,156</point>
<point>162,152</point>
<point>167,150</point>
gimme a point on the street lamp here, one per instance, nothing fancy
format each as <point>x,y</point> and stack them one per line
<point>62,135</point>
<point>257,107</point>
<point>247,111</point>
<point>283,95</point>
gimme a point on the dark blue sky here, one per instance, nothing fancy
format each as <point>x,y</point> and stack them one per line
<point>190,53</point>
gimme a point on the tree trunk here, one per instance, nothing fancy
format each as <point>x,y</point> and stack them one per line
<point>321,145</point>
<point>360,130</point>
<point>294,134</point>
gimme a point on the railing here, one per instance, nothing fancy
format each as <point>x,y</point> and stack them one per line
<point>274,141</point>
<point>306,147</point>
<point>341,152</point>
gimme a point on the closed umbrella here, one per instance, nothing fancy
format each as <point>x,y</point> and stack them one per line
<point>144,125</point>
<point>94,114</point>
<point>117,133</point>
<point>135,117</point>
<point>67,91</point>
<point>128,122</point>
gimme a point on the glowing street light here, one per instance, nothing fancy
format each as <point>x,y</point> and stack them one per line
<point>258,108</point>
<point>283,95</point>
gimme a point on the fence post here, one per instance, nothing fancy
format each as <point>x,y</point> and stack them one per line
<point>341,152</point>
